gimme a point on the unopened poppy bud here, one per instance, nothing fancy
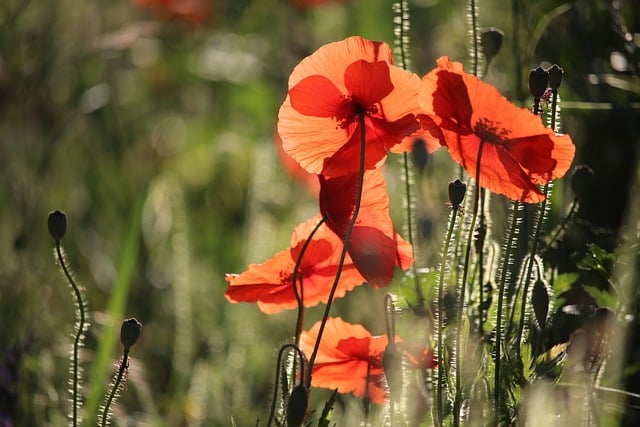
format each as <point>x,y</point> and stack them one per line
<point>57,223</point>
<point>297,406</point>
<point>555,77</point>
<point>457,190</point>
<point>538,80</point>
<point>419,154</point>
<point>491,42</point>
<point>582,181</point>
<point>129,332</point>
<point>392,364</point>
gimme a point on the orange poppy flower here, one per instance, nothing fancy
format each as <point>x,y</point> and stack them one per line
<point>189,10</point>
<point>518,150</point>
<point>269,284</point>
<point>319,120</point>
<point>349,358</point>
<point>375,247</point>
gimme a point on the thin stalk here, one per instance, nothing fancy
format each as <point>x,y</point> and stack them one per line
<point>116,385</point>
<point>79,333</point>
<point>300,295</point>
<point>501,288</point>
<point>443,262</point>
<point>474,35</point>
<point>345,246</point>
<point>476,202</point>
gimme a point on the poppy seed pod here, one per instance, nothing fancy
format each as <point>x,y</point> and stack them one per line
<point>57,223</point>
<point>555,77</point>
<point>582,181</point>
<point>538,80</point>
<point>297,406</point>
<point>457,190</point>
<point>129,332</point>
<point>491,42</point>
<point>392,364</point>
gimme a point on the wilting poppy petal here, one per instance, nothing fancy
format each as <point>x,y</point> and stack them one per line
<point>518,150</point>
<point>349,358</point>
<point>375,248</point>
<point>270,284</point>
<point>332,90</point>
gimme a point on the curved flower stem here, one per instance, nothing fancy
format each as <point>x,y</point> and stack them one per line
<point>345,246</point>
<point>79,332</point>
<point>501,288</point>
<point>272,411</point>
<point>476,202</point>
<point>116,385</point>
<point>300,295</point>
<point>443,269</point>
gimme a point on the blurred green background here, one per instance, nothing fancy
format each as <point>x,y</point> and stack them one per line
<point>154,131</point>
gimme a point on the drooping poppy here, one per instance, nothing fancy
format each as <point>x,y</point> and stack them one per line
<point>349,358</point>
<point>518,151</point>
<point>319,121</point>
<point>375,247</point>
<point>270,284</point>
<point>189,10</point>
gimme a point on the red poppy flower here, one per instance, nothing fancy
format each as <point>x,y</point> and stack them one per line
<point>188,10</point>
<point>375,248</point>
<point>319,120</point>
<point>349,358</point>
<point>518,150</point>
<point>269,284</point>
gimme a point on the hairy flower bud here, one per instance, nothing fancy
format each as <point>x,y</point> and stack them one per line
<point>57,223</point>
<point>457,190</point>
<point>582,181</point>
<point>297,406</point>
<point>491,42</point>
<point>129,332</point>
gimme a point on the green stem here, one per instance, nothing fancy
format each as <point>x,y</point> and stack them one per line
<point>123,367</point>
<point>300,295</point>
<point>79,333</point>
<point>501,288</point>
<point>407,187</point>
<point>476,202</point>
<point>345,245</point>
<point>274,400</point>
<point>474,34</point>
<point>443,262</point>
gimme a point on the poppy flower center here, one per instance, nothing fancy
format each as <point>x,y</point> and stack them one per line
<point>490,132</point>
<point>351,108</point>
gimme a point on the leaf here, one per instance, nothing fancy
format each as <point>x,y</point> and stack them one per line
<point>563,282</point>
<point>325,416</point>
<point>603,298</point>
<point>540,302</point>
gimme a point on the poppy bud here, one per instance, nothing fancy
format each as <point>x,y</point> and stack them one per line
<point>540,302</point>
<point>419,154</point>
<point>491,42</point>
<point>555,77</point>
<point>457,190</point>
<point>129,332</point>
<point>392,364</point>
<point>57,223</point>
<point>538,80</point>
<point>582,181</point>
<point>297,406</point>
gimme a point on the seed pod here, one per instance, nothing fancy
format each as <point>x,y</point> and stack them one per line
<point>457,190</point>
<point>129,332</point>
<point>582,181</point>
<point>57,224</point>
<point>538,80</point>
<point>555,77</point>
